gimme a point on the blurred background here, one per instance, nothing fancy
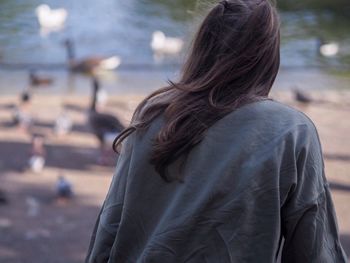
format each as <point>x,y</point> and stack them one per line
<point>71,74</point>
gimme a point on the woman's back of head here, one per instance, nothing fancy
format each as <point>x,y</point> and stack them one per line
<point>234,60</point>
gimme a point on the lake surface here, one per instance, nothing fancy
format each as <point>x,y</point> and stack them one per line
<point>124,28</point>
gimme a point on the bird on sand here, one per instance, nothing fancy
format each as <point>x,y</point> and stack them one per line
<point>3,198</point>
<point>38,80</point>
<point>21,115</point>
<point>301,96</point>
<point>104,126</point>
<point>36,161</point>
<point>64,190</point>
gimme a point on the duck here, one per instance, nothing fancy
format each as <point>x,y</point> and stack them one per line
<point>63,124</point>
<point>161,44</point>
<point>51,18</point>
<point>91,64</point>
<point>327,49</point>
<point>36,161</point>
<point>103,125</point>
<point>37,80</point>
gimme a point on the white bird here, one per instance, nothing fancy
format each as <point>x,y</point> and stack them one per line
<point>63,124</point>
<point>51,18</point>
<point>330,49</point>
<point>36,163</point>
<point>327,49</point>
<point>162,44</point>
<point>37,160</point>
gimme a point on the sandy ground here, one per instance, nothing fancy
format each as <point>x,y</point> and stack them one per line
<point>35,228</point>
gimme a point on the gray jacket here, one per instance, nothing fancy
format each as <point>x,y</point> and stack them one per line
<point>253,188</point>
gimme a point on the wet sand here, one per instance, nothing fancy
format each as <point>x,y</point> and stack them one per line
<point>35,228</point>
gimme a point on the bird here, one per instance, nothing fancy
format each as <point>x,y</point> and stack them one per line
<point>36,161</point>
<point>64,190</point>
<point>103,125</point>
<point>3,198</point>
<point>51,18</point>
<point>21,114</point>
<point>89,65</point>
<point>63,124</point>
<point>161,44</point>
<point>36,80</point>
<point>327,49</point>
<point>301,96</point>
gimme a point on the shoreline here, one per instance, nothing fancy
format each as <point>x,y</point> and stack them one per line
<point>48,233</point>
<point>145,81</point>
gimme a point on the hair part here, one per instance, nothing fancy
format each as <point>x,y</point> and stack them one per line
<point>234,60</point>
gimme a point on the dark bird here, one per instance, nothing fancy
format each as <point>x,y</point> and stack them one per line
<point>21,115</point>
<point>3,198</point>
<point>105,126</point>
<point>90,64</point>
<point>25,97</point>
<point>301,96</point>
<point>63,188</point>
<point>36,80</point>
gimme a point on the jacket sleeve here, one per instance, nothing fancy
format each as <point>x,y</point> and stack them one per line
<point>107,223</point>
<point>309,224</point>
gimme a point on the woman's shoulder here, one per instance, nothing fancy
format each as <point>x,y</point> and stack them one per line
<point>269,115</point>
<point>275,111</point>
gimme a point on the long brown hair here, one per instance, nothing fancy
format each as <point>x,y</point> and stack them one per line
<point>234,60</point>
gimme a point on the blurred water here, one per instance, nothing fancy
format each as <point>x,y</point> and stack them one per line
<point>124,28</point>
<point>104,27</point>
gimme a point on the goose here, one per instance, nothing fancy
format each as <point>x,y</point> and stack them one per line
<point>327,49</point>
<point>51,18</point>
<point>36,80</point>
<point>104,126</point>
<point>37,160</point>
<point>161,44</point>
<point>90,64</point>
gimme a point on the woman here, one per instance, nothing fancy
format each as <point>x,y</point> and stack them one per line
<point>211,170</point>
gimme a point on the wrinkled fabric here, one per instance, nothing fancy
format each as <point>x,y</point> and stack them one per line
<point>257,178</point>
